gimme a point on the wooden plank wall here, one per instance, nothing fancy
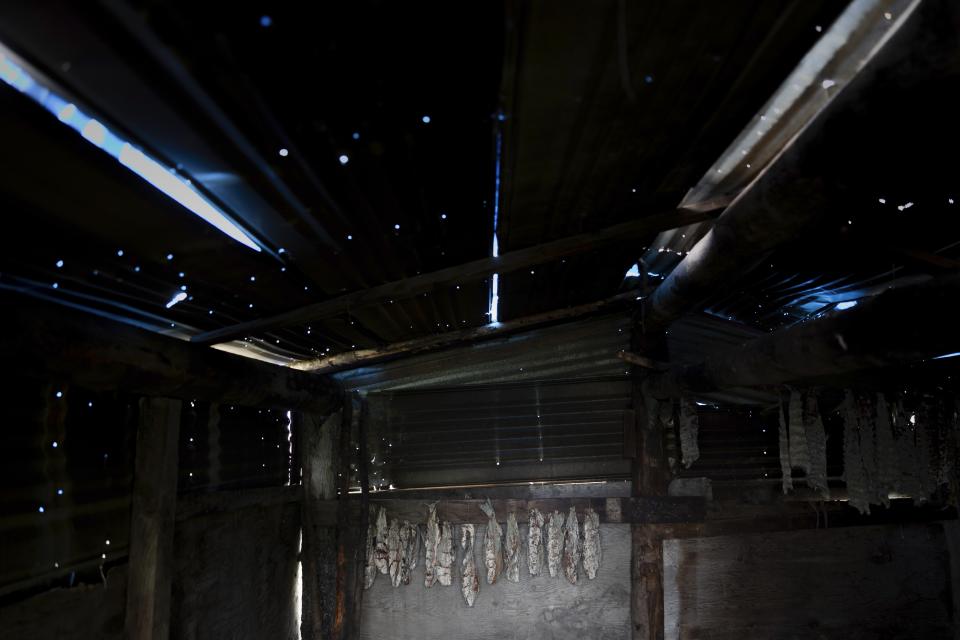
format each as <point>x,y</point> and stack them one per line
<point>844,584</point>
<point>541,608</point>
<point>235,574</point>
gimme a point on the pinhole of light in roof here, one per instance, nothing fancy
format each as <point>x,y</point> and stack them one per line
<point>55,285</point>
<point>425,119</point>
<point>59,491</point>
<point>119,253</point>
<point>59,394</point>
<point>818,28</point>
<point>54,444</point>
<point>826,84</point>
<point>250,306</point>
<point>169,256</point>
<point>15,74</point>
<point>349,236</point>
<point>396,227</point>
<point>648,79</point>
<point>40,509</point>
<point>59,264</point>
<point>344,158</point>
<point>904,206</point>
<point>888,15</point>
<point>253,278</point>
<point>949,200</point>
<point>283,153</point>
<point>443,216</point>
<point>265,21</point>
<point>882,200</point>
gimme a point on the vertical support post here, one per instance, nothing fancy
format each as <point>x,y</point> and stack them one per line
<point>152,520</point>
<point>318,459</point>
<point>650,477</point>
<point>341,620</point>
<point>358,537</point>
<point>951,531</point>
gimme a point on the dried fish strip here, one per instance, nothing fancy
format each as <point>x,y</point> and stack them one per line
<point>571,546</point>
<point>535,542</point>
<point>554,542</point>
<point>431,542</point>
<point>380,550</point>
<point>393,552</point>
<point>409,546</point>
<point>469,580</point>
<point>512,548</point>
<point>445,555</point>
<point>492,544</point>
<point>591,543</point>
<point>370,568</point>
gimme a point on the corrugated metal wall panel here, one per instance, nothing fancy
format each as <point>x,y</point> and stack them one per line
<point>578,350</point>
<point>522,431</point>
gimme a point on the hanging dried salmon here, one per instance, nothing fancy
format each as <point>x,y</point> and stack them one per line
<point>469,580</point>
<point>554,542</point>
<point>512,548</point>
<point>431,542</point>
<point>571,546</point>
<point>535,542</point>
<point>492,544</point>
<point>591,543</point>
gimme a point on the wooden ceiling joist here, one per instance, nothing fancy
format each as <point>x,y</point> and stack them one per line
<point>468,272</point>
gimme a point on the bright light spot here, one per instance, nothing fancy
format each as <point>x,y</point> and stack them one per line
<point>947,355</point>
<point>284,153</point>
<point>344,158</point>
<point>59,492</point>
<point>179,297</point>
<point>356,135</point>
<point>54,444</point>
<point>949,200</point>
<point>888,15</point>
<point>425,119</point>
<point>648,79</point>
<point>65,114</point>
<point>265,21</point>
<point>883,200</point>
<point>633,272</point>
<point>913,418</point>
<point>59,264</point>
<point>40,509</point>
<point>397,227</point>
<point>826,84</point>
<point>106,542</point>
<point>495,299</point>
<point>169,256</point>
<point>59,394</point>
<point>349,237</point>
<point>119,253</point>
<point>253,278</point>
<point>183,287</point>
<point>90,404</point>
<point>818,28</point>
<point>443,216</point>
<point>95,132</point>
<point>56,285</point>
<point>907,205</point>
<point>154,173</point>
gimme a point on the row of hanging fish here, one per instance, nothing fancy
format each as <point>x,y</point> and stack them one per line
<point>393,548</point>
<point>887,449</point>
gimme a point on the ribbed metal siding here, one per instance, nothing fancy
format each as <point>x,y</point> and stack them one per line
<point>578,350</point>
<point>527,431</point>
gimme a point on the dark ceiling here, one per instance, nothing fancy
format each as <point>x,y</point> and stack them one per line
<point>594,113</point>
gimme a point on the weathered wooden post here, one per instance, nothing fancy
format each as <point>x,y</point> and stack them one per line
<point>152,520</point>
